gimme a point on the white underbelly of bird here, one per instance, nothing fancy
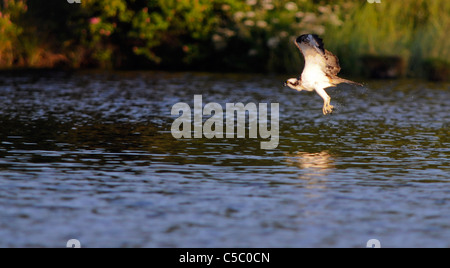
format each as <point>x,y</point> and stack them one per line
<point>314,79</point>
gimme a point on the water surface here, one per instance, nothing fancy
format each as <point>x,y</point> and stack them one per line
<point>90,156</point>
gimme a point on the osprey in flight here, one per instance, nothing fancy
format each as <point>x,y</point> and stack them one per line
<point>320,71</point>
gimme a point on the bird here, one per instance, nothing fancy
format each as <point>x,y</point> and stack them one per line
<point>320,70</point>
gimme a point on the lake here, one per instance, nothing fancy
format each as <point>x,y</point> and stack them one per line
<point>90,156</point>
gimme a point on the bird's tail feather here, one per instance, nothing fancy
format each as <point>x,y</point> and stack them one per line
<point>337,80</point>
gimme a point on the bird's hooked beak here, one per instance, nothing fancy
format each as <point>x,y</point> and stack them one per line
<point>294,84</point>
<point>291,82</point>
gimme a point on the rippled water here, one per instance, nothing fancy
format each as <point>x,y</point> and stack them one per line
<point>90,156</point>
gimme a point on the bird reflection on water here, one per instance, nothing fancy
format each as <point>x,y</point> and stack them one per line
<point>315,167</point>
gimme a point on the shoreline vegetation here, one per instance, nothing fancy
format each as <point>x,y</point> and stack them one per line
<point>387,40</point>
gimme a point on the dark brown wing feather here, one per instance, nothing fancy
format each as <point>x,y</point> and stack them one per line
<point>332,67</point>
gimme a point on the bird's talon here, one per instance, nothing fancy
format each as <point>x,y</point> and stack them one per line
<point>327,109</point>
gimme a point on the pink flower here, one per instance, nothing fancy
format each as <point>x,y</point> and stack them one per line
<point>95,20</point>
<point>105,32</point>
<point>102,31</point>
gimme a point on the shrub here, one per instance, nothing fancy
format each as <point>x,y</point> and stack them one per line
<point>221,35</point>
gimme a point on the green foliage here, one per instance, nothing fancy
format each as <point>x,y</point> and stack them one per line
<point>9,31</point>
<point>231,35</point>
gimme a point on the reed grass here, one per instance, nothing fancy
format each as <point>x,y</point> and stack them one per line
<point>415,30</point>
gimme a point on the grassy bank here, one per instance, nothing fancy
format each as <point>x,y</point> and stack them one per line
<point>223,35</point>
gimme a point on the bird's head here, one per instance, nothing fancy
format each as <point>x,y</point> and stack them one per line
<point>294,83</point>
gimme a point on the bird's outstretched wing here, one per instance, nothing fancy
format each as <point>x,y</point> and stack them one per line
<point>312,49</point>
